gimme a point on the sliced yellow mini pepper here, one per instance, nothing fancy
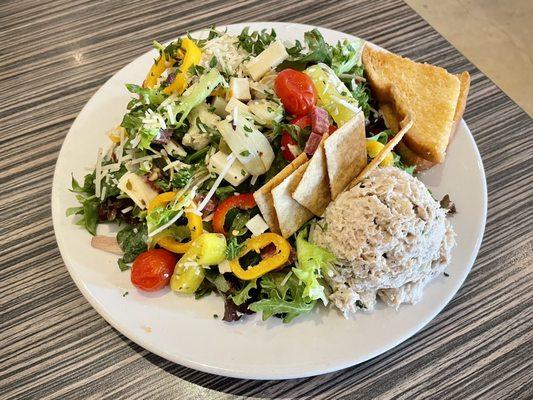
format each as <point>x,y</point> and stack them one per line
<point>116,134</point>
<point>256,243</point>
<point>373,147</point>
<point>191,58</point>
<point>157,69</point>
<point>207,249</point>
<point>194,223</point>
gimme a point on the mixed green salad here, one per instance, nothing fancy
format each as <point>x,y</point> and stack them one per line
<point>213,122</point>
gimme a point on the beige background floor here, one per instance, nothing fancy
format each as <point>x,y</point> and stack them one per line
<point>496,35</point>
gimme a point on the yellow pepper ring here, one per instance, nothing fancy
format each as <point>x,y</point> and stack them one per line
<point>192,57</point>
<point>156,70</point>
<point>194,223</point>
<point>256,243</point>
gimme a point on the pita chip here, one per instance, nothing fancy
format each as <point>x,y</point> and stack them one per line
<point>263,196</point>
<point>291,215</point>
<point>345,152</point>
<point>313,190</point>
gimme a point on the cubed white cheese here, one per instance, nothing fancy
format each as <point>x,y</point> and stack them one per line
<point>224,267</point>
<point>257,225</point>
<point>223,147</point>
<point>219,105</point>
<point>266,112</point>
<point>200,120</point>
<point>239,88</point>
<point>137,189</point>
<point>269,58</point>
<point>236,174</point>
<point>234,103</point>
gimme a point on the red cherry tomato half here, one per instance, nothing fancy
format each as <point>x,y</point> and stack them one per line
<point>152,269</point>
<point>302,122</point>
<point>286,140</point>
<point>296,91</point>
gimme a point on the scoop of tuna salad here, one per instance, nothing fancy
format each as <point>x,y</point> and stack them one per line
<point>390,238</point>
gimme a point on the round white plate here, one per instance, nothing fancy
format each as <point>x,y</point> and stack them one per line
<point>185,331</point>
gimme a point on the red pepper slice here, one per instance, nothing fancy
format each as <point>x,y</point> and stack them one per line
<point>243,201</point>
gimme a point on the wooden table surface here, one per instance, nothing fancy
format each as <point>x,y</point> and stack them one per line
<point>55,54</point>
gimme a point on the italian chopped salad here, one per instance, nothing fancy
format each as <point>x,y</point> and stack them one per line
<point>227,156</point>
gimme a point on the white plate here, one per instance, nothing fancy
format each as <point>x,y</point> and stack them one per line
<point>184,330</point>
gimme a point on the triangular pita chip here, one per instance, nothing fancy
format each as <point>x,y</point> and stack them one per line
<point>345,153</point>
<point>383,153</point>
<point>263,196</point>
<point>313,190</point>
<point>291,214</point>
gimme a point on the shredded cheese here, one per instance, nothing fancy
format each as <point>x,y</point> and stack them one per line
<point>230,160</point>
<point>176,164</point>
<point>98,173</point>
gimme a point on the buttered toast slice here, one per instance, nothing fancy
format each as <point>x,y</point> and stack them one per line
<point>428,94</point>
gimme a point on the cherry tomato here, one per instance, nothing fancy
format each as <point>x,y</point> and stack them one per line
<point>296,91</point>
<point>152,269</point>
<point>302,122</point>
<point>286,143</point>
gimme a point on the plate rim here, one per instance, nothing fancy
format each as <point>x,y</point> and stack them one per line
<point>242,374</point>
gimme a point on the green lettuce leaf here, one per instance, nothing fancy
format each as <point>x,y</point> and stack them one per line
<point>88,209</point>
<point>285,299</point>
<point>318,51</point>
<point>257,41</point>
<point>133,240</point>
<point>197,94</point>
<point>244,294</point>
<point>313,262</point>
<point>346,57</point>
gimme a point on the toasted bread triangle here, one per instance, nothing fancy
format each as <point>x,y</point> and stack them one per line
<point>429,94</point>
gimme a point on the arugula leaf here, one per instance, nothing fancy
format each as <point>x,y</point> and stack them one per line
<point>133,240</point>
<point>256,41</point>
<point>244,294</point>
<point>361,93</point>
<point>88,185</point>
<point>181,178</point>
<point>346,57</point>
<point>148,97</point>
<point>297,133</point>
<point>313,261</point>
<point>287,300</point>
<point>132,121</point>
<point>382,137</point>
<point>89,203</point>
<point>238,224</point>
<point>318,51</point>
<point>233,248</point>
<point>223,192</point>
